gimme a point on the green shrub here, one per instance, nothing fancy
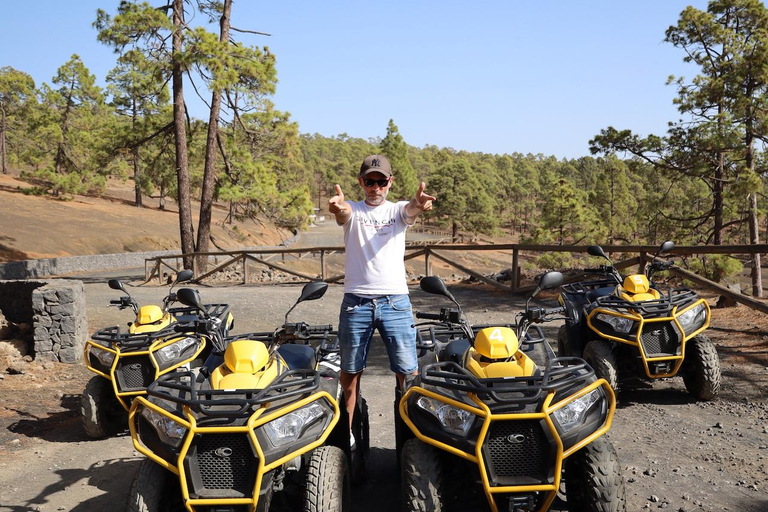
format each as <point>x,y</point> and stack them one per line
<point>715,267</point>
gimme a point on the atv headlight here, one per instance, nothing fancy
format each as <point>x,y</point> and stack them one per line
<point>619,323</point>
<point>288,428</point>
<point>572,414</point>
<point>105,357</point>
<point>693,318</point>
<point>169,431</point>
<point>171,353</point>
<point>454,420</point>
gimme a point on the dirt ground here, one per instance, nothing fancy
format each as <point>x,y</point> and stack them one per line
<point>45,227</point>
<point>676,454</point>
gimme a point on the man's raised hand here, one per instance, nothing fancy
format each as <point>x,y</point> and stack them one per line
<point>336,203</point>
<point>424,200</point>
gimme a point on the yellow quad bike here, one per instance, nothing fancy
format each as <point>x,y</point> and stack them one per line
<point>627,329</point>
<point>261,416</point>
<point>496,422</point>
<point>127,361</point>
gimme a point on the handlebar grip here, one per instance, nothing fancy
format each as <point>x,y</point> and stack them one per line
<point>320,328</point>
<point>428,316</point>
<point>594,270</point>
<point>116,302</point>
<point>554,311</point>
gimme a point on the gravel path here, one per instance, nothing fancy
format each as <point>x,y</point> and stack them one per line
<point>676,454</point>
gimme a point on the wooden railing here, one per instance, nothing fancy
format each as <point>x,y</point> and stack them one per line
<point>154,266</point>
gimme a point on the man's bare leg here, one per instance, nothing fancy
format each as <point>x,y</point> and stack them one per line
<point>350,385</point>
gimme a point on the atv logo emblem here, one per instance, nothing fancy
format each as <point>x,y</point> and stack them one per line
<point>223,452</point>
<point>515,438</point>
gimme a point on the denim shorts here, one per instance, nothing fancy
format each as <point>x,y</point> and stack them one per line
<point>391,316</point>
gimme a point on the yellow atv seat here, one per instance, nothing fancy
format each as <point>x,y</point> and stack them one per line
<point>636,288</point>
<point>496,354</point>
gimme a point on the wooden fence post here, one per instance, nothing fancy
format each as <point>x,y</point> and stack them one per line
<point>514,269</point>
<point>427,264</point>
<point>245,269</point>
<point>641,266</point>
<point>322,265</point>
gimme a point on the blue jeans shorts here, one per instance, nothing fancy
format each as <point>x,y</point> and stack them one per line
<point>391,316</point>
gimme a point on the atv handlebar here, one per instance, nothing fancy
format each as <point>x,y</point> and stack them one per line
<point>428,316</point>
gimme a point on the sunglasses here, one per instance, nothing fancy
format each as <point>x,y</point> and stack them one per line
<point>382,183</point>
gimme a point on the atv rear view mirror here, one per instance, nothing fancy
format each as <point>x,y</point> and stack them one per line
<point>666,246</point>
<point>436,286</point>
<point>550,281</point>
<point>115,284</point>
<point>184,275</point>
<point>190,297</point>
<point>596,250</point>
<point>311,291</point>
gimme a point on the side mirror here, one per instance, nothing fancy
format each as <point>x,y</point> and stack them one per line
<point>666,246</point>
<point>184,275</point>
<point>313,291</point>
<point>436,286</point>
<point>550,281</point>
<point>190,297</point>
<point>596,250</point>
<point>115,284</point>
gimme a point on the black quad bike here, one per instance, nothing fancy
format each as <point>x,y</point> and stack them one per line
<point>494,421</point>
<point>628,329</point>
<point>127,361</point>
<point>265,414</point>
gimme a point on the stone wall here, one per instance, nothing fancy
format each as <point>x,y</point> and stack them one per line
<point>56,310</point>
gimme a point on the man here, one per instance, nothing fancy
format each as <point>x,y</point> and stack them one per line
<point>375,289</point>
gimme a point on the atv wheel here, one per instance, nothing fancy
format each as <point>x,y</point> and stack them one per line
<point>593,481</point>
<point>327,486</point>
<point>101,412</point>
<point>359,456</point>
<point>155,489</point>
<point>599,355</point>
<point>701,369</point>
<point>422,477</point>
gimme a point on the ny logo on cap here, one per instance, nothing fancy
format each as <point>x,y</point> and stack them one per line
<point>375,162</point>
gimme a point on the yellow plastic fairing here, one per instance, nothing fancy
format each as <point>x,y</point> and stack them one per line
<point>246,366</point>
<point>149,314</point>
<point>496,342</point>
<point>496,354</point>
<point>636,288</point>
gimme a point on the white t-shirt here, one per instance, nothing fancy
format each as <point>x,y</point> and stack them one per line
<point>374,237</point>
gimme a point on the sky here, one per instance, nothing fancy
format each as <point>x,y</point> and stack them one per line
<point>539,77</point>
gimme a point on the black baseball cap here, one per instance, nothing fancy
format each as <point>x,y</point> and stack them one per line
<point>376,163</point>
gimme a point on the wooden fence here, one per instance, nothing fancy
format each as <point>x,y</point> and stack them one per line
<point>154,266</point>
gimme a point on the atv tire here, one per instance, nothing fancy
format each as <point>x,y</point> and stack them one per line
<point>593,481</point>
<point>599,355</point>
<point>422,477</point>
<point>359,456</point>
<point>101,412</point>
<point>328,483</point>
<point>701,369</point>
<point>154,489</point>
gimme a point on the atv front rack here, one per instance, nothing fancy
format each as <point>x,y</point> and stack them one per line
<point>182,388</point>
<point>650,308</point>
<point>125,340</point>
<point>560,372</point>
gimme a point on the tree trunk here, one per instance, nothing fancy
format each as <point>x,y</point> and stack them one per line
<point>3,127</point>
<point>454,232</point>
<point>209,168</point>
<point>136,165</point>
<point>180,134</point>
